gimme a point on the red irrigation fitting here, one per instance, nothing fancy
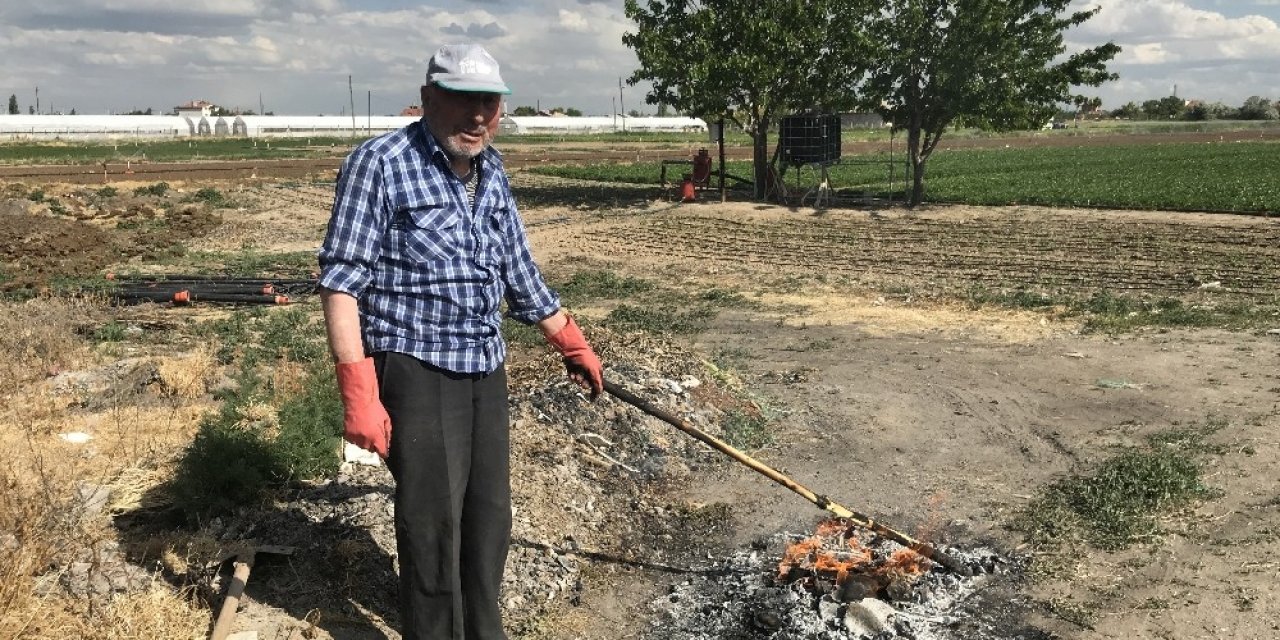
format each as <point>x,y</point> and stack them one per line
<point>182,297</point>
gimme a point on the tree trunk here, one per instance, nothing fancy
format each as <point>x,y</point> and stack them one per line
<point>760,160</point>
<point>917,166</point>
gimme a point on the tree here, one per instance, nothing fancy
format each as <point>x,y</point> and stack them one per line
<point>1165,108</point>
<point>13,104</point>
<point>993,64</point>
<point>1128,111</point>
<point>524,110</point>
<point>1257,108</point>
<point>750,62</point>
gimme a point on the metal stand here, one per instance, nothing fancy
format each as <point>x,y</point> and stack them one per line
<point>821,190</point>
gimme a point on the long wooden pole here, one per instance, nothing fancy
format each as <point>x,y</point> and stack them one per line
<point>923,548</point>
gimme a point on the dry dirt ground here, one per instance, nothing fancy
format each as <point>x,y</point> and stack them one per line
<point>926,413</point>
<point>940,418</point>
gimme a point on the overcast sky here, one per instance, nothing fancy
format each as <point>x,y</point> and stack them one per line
<point>99,56</point>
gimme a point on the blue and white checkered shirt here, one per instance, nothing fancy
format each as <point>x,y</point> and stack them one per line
<point>430,266</point>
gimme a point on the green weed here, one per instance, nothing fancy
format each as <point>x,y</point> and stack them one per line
<point>262,438</point>
<point>158,189</point>
<point>1018,299</point>
<point>111,332</point>
<point>1118,504</point>
<point>746,430</point>
<point>585,286</point>
<point>249,262</point>
<point>1106,312</point>
<point>107,192</point>
<point>209,196</point>
<point>661,319</point>
<point>518,333</point>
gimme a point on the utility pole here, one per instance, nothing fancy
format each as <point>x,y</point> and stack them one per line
<point>368,122</point>
<point>262,111</point>
<point>37,100</point>
<point>352,95</point>
<point>621,104</point>
<point>615,113</point>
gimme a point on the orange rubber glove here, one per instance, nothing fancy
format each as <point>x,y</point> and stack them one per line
<point>365,422</point>
<point>581,362</point>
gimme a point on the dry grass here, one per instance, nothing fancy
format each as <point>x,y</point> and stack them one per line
<point>187,376</point>
<point>43,336</point>
<point>144,419</point>
<point>158,612</point>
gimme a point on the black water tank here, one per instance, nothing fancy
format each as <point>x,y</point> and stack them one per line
<point>810,139</point>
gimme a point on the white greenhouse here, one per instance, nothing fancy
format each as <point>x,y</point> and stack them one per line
<point>42,127</point>
<point>38,127</point>
<point>520,125</point>
<point>319,126</point>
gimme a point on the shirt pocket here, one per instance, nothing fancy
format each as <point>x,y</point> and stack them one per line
<point>432,232</point>
<point>497,228</point>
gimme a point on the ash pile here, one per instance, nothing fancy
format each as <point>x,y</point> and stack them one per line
<point>840,583</point>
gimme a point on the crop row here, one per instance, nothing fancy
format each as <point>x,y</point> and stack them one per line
<point>1059,252</point>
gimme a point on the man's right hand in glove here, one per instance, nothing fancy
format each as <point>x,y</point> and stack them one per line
<point>365,422</point>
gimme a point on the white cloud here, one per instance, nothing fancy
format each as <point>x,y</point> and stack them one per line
<point>573,21</point>
<point>99,55</point>
<point>1166,43</point>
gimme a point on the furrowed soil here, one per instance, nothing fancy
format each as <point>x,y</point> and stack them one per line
<point>888,391</point>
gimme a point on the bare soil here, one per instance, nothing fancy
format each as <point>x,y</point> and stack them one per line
<point>891,397</point>
<point>946,420</point>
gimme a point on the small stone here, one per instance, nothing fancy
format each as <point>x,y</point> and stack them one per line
<point>868,617</point>
<point>828,608</point>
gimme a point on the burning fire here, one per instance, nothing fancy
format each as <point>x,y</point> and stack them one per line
<point>837,552</point>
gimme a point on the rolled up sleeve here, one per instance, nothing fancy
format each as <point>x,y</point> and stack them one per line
<point>529,299</point>
<point>353,241</point>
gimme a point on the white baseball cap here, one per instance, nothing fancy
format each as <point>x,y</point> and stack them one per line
<point>465,67</point>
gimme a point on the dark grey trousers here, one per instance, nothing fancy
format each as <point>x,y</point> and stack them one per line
<point>450,456</point>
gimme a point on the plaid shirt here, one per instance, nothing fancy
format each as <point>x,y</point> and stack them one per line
<point>429,271</point>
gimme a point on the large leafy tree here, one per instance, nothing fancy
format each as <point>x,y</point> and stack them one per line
<point>994,64</point>
<point>750,62</point>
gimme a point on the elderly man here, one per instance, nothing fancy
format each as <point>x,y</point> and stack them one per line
<point>423,246</point>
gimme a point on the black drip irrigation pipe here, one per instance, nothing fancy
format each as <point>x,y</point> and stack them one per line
<point>183,290</point>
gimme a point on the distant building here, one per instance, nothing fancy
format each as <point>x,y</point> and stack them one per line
<point>412,111</point>
<point>195,109</point>
<point>861,121</point>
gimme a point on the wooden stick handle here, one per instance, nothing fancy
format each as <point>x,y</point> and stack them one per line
<point>923,548</point>
<point>227,615</point>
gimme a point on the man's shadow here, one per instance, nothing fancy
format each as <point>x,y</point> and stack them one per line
<point>338,574</point>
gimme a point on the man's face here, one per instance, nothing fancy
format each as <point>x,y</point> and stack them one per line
<point>463,122</point>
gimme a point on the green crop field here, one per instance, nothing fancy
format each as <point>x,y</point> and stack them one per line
<point>183,150</point>
<point>1229,176</point>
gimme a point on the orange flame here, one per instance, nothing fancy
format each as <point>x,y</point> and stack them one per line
<point>823,554</point>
